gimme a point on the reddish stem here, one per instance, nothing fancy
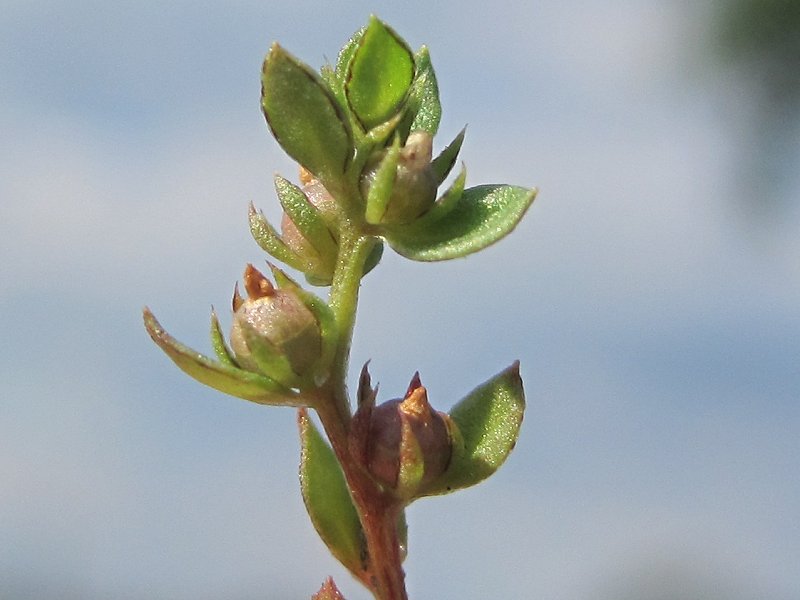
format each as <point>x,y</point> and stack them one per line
<point>377,510</point>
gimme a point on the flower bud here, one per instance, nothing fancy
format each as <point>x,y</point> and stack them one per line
<point>314,241</point>
<point>407,443</point>
<point>275,319</point>
<point>328,591</point>
<point>320,198</point>
<point>415,183</point>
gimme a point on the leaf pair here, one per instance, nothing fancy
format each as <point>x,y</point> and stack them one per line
<point>319,123</point>
<point>381,82</point>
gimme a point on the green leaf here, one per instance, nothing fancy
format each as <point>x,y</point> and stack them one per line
<point>336,77</point>
<point>412,463</point>
<point>374,257</point>
<point>307,218</point>
<point>327,498</point>
<point>271,242</point>
<point>221,349</point>
<point>225,378</point>
<point>445,204</point>
<point>304,116</point>
<point>271,360</point>
<point>487,423</point>
<point>382,183</point>
<point>379,75</point>
<point>347,52</point>
<point>443,164</point>
<point>482,216</point>
<point>343,64</point>
<point>423,99</point>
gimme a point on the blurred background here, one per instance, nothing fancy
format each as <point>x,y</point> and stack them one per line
<point>652,294</point>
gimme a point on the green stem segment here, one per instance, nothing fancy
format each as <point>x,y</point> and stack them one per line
<point>353,252</point>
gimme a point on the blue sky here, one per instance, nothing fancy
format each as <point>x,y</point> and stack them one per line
<point>656,315</point>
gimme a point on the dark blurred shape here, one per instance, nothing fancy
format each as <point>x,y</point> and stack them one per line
<point>760,39</point>
<point>764,36</point>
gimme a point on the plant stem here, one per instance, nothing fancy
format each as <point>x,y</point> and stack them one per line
<point>353,251</point>
<point>378,511</point>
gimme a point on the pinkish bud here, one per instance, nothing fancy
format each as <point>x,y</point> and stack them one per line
<point>320,198</point>
<point>415,183</point>
<point>279,318</point>
<point>313,240</point>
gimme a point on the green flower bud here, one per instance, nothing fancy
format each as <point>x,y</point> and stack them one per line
<point>309,238</point>
<point>320,253</point>
<point>277,322</point>
<point>415,182</point>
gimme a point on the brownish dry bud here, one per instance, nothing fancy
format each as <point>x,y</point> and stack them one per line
<point>407,442</point>
<point>328,591</point>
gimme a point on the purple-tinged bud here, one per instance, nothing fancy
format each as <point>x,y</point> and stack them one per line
<point>279,318</point>
<point>407,443</point>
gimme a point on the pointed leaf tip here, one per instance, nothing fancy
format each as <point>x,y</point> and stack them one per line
<point>224,354</point>
<point>423,101</point>
<point>482,216</point>
<point>304,116</point>
<point>444,162</point>
<point>379,75</point>
<point>220,376</point>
